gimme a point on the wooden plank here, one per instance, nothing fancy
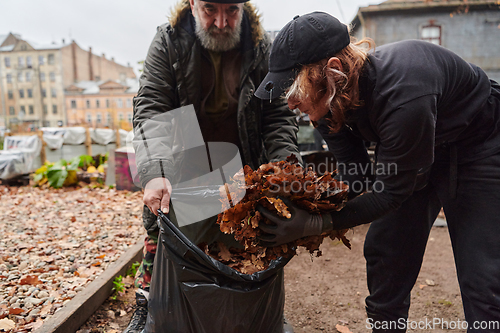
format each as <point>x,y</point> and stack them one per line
<point>88,141</point>
<point>118,139</point>
<point>43,155</point>
<point>79,309</point>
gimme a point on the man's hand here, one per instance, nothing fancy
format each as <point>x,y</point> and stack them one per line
<point>301,224</point>
<point>157,195</point>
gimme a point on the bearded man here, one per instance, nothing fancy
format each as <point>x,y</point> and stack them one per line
<point>211,55</point>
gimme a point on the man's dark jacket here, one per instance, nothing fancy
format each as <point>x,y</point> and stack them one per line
<point>172,79</point>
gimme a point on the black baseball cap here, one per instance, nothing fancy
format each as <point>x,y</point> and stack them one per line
<point>304,40</point>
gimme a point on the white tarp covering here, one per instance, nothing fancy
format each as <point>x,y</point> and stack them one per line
<point>76,136</point>
<point>71,136</point>
<point>19,155</point>
<point>53,141</point>
<point>102,136</point>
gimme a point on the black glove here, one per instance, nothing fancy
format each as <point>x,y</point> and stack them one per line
<point>301,224</point>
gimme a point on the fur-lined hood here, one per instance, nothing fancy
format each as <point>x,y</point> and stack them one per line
<point>183,7</point>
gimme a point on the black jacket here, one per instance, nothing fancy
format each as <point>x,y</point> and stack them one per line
<point>171,79</point>
<point>422,104</point>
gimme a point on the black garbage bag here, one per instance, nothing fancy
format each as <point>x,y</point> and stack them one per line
<point>193,293</point>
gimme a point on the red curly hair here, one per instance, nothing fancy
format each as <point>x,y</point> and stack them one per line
<point>316,80</point>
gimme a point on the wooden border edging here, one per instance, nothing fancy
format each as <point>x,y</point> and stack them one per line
<point>76,312</point>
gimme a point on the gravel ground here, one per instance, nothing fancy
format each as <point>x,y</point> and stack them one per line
<point>55,242</point>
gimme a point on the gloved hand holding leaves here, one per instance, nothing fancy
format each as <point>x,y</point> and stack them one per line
<point>285,230</point>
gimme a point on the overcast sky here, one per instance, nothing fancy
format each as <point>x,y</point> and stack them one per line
<point>123,29</point>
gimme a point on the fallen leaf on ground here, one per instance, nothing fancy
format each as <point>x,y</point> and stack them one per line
<point>15,311</point>
<point>342,329</point>
<point>7,324</point>
<point>30,279</point>
<point>45,309</point>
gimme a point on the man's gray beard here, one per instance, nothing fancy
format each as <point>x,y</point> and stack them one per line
<point>226,41</point>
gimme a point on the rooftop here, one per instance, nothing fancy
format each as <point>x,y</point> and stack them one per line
<point>93,87</point>
<point>422,4</point>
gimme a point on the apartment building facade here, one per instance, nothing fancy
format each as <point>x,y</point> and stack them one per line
<point>101,104</point>
<point>33,79</point>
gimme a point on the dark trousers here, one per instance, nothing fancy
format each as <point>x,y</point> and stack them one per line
<point>395,244</point>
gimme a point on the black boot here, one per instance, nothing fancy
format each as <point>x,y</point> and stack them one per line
<point>138,320</point>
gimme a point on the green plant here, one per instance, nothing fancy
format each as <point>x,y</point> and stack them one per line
<point>58,174</point>
<point>118,287</point>
<point>103,158</point>
<point>132,270</point>
<point>85,161</point>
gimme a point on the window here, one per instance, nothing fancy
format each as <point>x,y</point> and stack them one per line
<point>10,94</point>
<point>44,92</point>
<point>120,116</point>
<point>19,77</point>
<point>53,92</point>
<point>7,62</point>
<point>89,118</point>
<point>28,76</point>
<point>129,116</point>
<point>20,62</point>
<point>42,77</point>
<point>107,103</point>
<point>431,33</point>
<point>97,104</point>
<point>129,103</point>
<point>73,104</point>
<point>22,111</point>
<point>31,109</point>
<point>119,103</point>
<point>30,93</point>
<point>9,78</point>
<point>54,109</point>
<point>51,59</point>
<point>45,109</point>
<point>52,77</point>
<point>40,60</point>
<point>88,104</point>
<point>21,93</point>
<point>108,118</point>
<point>99,118</point>
<point>12,111</point>
<point>46,123</point>
<point>29,62</point>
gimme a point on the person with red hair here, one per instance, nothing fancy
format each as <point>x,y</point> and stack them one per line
<point>435,119</point>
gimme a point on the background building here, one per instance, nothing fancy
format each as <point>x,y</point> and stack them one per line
<point>33,79</point>
<point>101,104</point>
<point>470,28</point>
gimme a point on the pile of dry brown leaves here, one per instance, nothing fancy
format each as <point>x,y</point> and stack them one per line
<point>266,186</point>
